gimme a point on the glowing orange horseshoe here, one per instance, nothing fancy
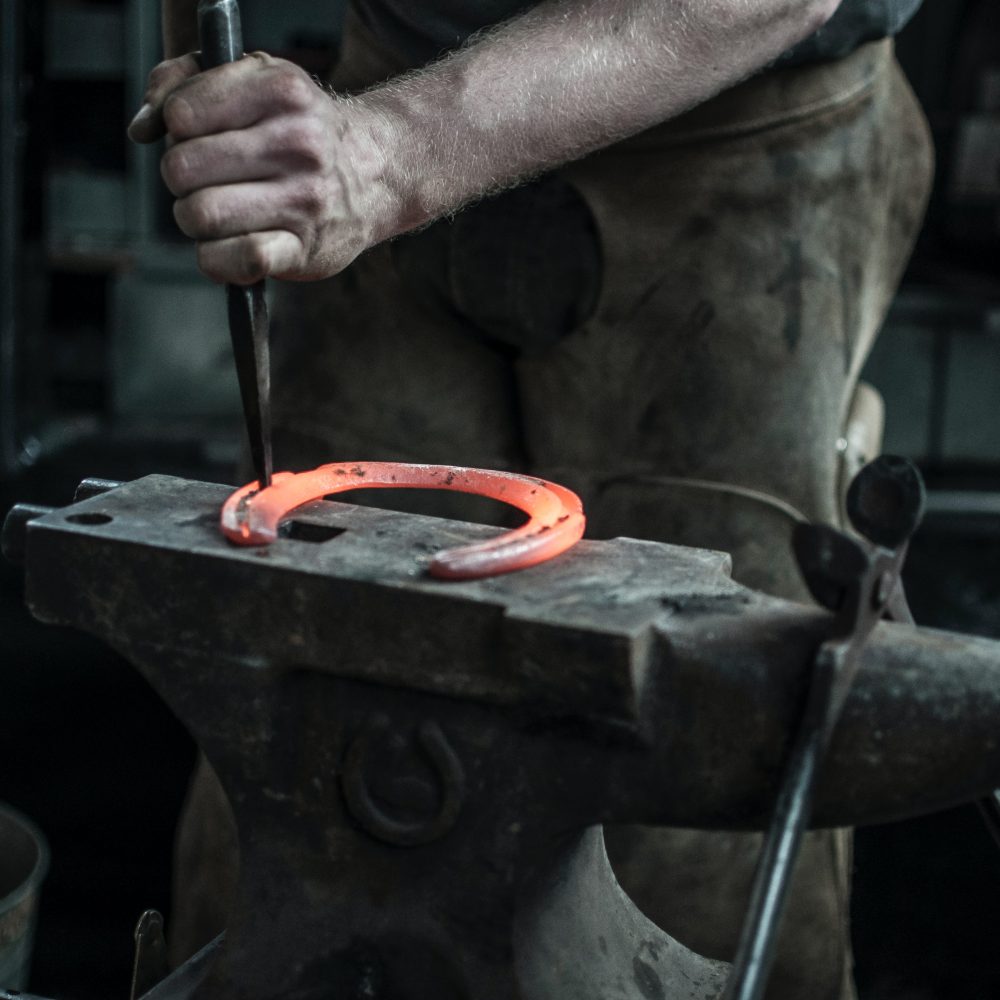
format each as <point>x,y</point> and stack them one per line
<point>555,514</point>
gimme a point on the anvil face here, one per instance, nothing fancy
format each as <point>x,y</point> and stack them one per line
<point>418,768</point>
<point>347,594</point>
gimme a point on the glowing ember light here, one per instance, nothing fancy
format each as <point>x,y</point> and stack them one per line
<point>555,515</point>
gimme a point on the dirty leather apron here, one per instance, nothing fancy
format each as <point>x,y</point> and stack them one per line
<point>734,266</point>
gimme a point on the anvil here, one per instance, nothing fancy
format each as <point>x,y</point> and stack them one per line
<point>420,769</point>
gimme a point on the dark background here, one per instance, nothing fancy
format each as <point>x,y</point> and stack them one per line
<point>85,747</point>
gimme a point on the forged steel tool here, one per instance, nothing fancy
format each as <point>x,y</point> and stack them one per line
<point>860,583</point>
<point>222,42</point>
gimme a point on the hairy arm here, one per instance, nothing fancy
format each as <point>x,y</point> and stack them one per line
<point>273,176</point>
<point>564,79</point>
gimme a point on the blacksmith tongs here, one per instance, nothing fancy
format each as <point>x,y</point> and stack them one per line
<point>222,42</point>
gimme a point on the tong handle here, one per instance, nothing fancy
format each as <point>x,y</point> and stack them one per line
<point>886,501</point>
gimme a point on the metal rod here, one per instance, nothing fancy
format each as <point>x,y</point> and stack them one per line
<point>248,329</point>
<point>772,877</point>
<point>221,34</point>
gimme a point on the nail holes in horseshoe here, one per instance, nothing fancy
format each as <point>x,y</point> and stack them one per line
<point>304,531</point>
<point>90,519</point>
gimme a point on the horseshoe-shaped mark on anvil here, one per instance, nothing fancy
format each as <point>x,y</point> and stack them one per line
<point>555,515</point>
<point>372,818</point>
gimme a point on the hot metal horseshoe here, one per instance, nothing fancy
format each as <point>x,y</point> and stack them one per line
<point>555,514</point>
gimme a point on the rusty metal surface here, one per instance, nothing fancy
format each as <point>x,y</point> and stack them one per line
<point>418,767</point>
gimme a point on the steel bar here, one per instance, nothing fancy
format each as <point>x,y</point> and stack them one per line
<point>221,35</point>
<point>248,330</point>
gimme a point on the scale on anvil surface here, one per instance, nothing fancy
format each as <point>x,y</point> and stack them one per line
<point>626,681</point>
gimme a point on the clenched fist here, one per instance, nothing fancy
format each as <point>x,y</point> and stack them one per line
<point>273,176</point>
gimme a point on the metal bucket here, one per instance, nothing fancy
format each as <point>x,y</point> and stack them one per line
<point>24,862</point>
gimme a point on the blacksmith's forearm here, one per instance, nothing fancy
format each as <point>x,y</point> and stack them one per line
<point>563,79</point>
<point>272,176</point>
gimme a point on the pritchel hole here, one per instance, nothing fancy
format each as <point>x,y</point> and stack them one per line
<point>303,531</point>
<point>90,519</point>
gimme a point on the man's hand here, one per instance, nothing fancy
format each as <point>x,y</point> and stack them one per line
<point>273,176</point>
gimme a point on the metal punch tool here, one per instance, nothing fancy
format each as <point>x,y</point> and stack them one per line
<point>221,34</point>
